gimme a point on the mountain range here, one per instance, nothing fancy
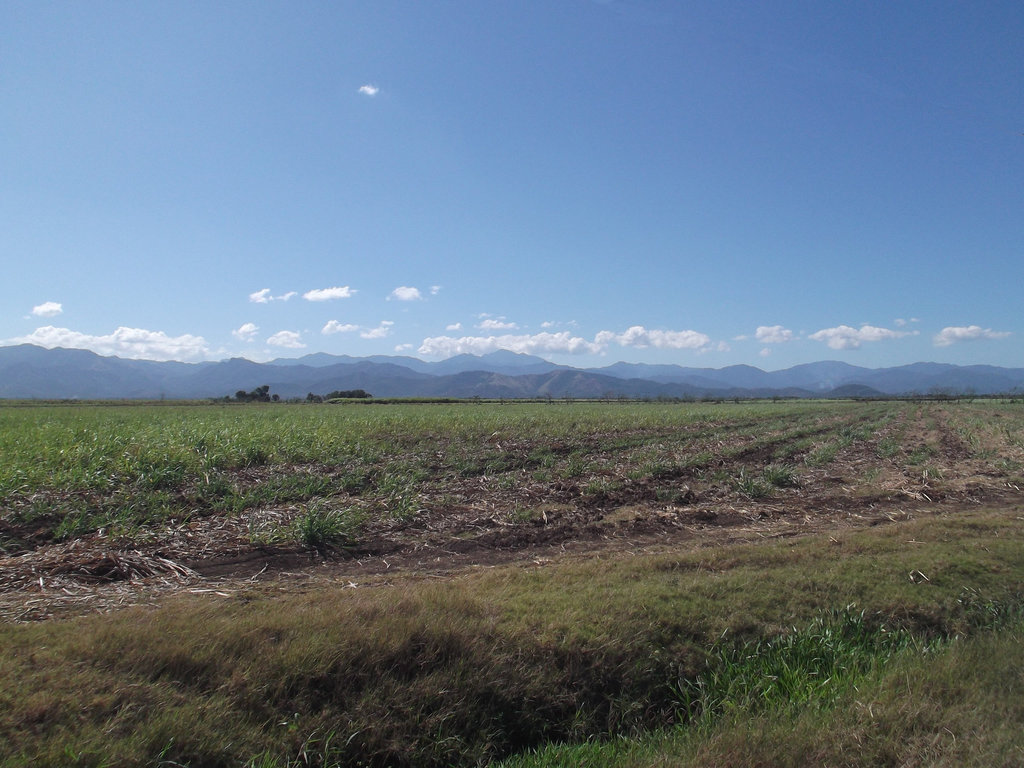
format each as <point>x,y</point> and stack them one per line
<point>28,371</point>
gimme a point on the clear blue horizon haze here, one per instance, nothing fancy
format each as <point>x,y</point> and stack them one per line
<point>706,184</point>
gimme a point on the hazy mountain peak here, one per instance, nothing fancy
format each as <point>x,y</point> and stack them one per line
<point>29,371</point>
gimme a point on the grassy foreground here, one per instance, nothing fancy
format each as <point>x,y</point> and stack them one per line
<point>961,705</point>
<point>490,664</point>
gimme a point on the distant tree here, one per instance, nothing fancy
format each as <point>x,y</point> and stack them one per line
<point>311,398</point>
<point>259,395</point>
<point>347,394</point>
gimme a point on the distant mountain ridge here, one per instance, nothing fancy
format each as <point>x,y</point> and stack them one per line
<point>28,372</point>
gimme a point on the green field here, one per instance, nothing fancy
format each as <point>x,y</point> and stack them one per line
<point>451,584</point>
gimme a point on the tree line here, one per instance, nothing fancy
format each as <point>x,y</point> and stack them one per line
<point>262,395</point>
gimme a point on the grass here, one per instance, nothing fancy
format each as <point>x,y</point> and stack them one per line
<point>736,655</point>
<point>492,663</point>
<point>760,485</point>
<point>70,470</point>
<point>887,448</point>
<point>320,527</point>
<point>752,486</point>
<point>960,705</point>
<point>808,666</point>
<point>822,455</point>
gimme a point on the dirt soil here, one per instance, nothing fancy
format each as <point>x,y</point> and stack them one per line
<point>483,522</point>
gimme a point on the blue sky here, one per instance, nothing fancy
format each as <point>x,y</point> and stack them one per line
<point>695,183</point>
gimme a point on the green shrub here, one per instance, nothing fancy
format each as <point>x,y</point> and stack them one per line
<point>780,476</point>
<point>321,527</point>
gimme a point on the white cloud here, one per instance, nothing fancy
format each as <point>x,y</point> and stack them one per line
<point>136,343</point>
<point>405,293</point>
<point>333,326</point>
<point>246,332</point>
<point>327,294</point>
<point>557,324</point>
<point>845,337</point>
<point>954,334</point>
<point>435,289</point>
<point>453,327</point>
<point>264,297</point>
<point>563,343</point>
<point>369,90</point>
<point>773,334</point>
<point>496,324</point>
<point>48,309</point>
<point>287,339</point>
<point>382,330</point>
<point>403,347</point>
<point>638,336</point>
<point>765,352</point>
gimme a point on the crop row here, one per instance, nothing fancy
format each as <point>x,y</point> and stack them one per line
<point>69,470</point>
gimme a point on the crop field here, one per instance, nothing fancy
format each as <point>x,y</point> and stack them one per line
<point>448,584</point>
